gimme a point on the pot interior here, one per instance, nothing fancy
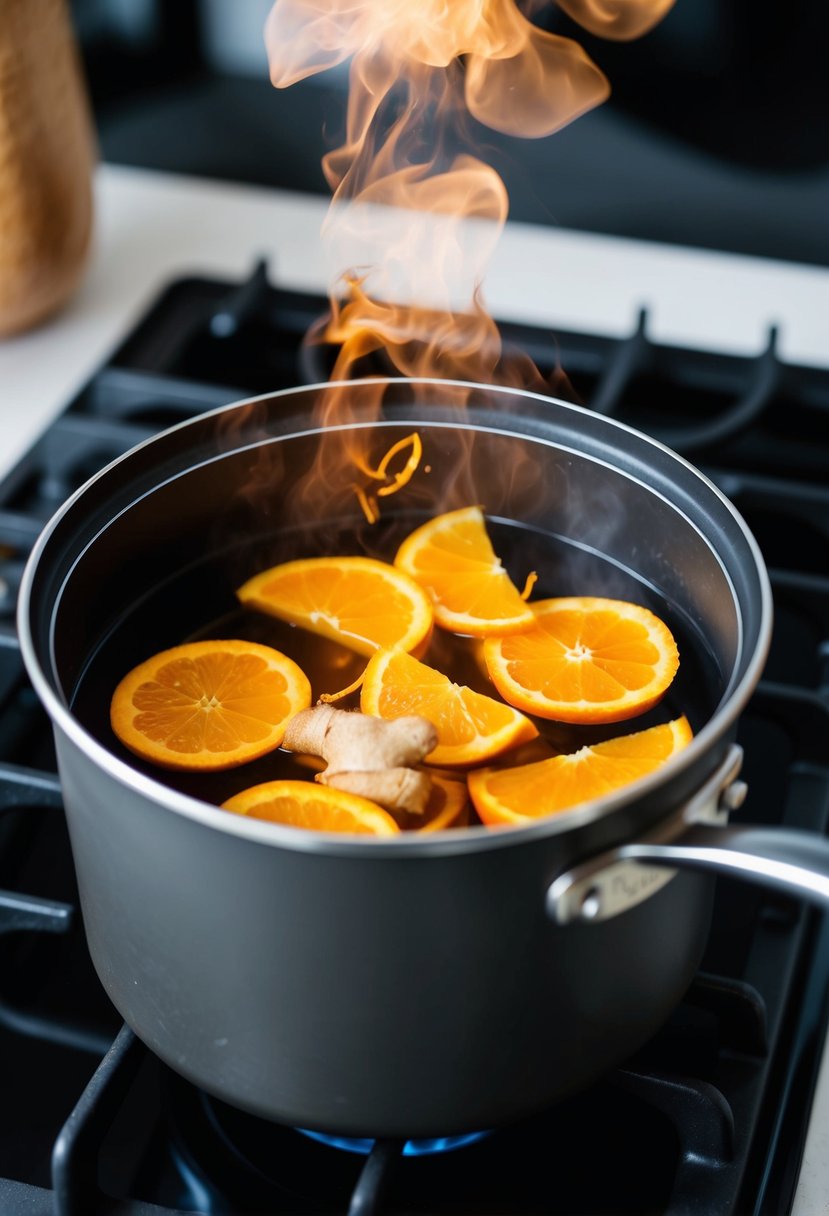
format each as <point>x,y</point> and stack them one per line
<point>151,552</point>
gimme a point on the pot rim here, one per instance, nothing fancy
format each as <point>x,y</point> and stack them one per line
<point>406,844</point>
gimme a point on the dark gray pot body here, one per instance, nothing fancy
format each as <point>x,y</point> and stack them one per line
<point>411,987</point>
<point>418,996</point>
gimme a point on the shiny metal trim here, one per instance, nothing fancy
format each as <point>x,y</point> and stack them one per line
<point>793,863</point>
<point>617,880</point>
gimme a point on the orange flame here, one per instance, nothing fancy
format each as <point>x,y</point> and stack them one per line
<point>411,204</point>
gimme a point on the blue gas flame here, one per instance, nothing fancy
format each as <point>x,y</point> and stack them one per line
<point>412,1148</point>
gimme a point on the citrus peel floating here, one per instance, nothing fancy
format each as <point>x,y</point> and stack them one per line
<point>514,796</point>
<point>586,660</point>
<point>299,804</point>
<point>471,728</point>
<point>452,557</point>
<point>394,479</point>
<point>361,603</point>
<point>208,705</point>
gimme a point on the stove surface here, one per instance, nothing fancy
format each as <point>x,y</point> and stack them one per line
<point>709,1117</point>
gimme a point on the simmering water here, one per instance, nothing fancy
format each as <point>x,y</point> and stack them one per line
<point>200,604</point>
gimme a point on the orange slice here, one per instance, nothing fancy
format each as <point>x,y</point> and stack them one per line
<point>586,660</point>
<point>357,601</point>
<point>447,807</point>
<point>471,727</point>
<point>299,804</point>
<point>452,557</point>
<point>517,795</point>
<point>208,705</point>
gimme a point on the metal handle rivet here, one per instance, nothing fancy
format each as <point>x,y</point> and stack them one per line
<point>591,904</point>
<point>733,796</point>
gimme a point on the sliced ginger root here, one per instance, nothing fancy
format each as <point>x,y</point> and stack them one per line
<point>366,755</point>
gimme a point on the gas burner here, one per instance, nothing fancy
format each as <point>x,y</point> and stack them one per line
<point>667,1137</point>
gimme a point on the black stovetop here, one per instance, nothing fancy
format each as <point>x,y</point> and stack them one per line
<point>709,1118</point>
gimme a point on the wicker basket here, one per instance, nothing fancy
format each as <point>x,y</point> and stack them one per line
<point>46,157</point>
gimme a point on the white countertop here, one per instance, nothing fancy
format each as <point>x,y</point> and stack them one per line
<point>153,227</point>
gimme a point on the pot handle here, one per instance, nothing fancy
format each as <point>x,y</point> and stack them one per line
<point>697,838</point>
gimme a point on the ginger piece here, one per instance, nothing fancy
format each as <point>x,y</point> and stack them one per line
<point>396,789</point>
<point>366,755</point>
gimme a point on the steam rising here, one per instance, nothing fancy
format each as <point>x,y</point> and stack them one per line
<point>415,212</point>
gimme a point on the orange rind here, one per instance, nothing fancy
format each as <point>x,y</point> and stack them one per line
<point>208,705</point>
<point>472,728</point>
<point>363,604</point>
<point>513,796</point>
<point>318,808</point>
<point>586,660</point>
<point>452,558</point>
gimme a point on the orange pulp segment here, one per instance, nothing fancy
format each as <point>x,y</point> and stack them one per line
<point>208,705</point>
<point>300,804</point>
<point>452,557</point>
<point>514,796</point>
<point>359,602</point>
<point>471,727</point>
<point>587,660</point>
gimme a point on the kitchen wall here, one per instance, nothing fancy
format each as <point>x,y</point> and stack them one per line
<point>716,134</point>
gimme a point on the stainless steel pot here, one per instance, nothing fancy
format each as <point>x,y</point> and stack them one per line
<point>412,986</point>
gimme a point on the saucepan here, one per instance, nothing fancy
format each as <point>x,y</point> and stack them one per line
<point>420,985</point>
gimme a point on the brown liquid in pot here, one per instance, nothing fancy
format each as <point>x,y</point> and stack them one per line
<point>200,604</point>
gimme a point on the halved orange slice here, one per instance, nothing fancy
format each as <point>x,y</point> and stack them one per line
<point>472,728</point>
<point>452,557</point>
<point>357,601</point>
<point>299,804</point>
<point>587,660</point>
<point>517,795</point>
<point>447,807</point>
<point>208,705</point>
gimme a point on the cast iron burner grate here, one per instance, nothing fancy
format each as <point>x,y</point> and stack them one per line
<point>709,1117</point>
